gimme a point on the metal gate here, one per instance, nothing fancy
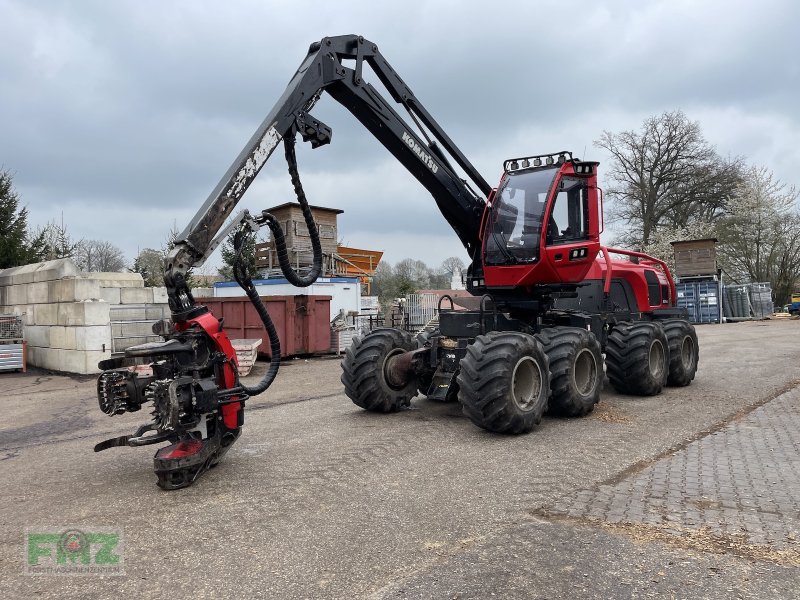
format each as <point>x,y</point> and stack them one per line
<point>419,310</point>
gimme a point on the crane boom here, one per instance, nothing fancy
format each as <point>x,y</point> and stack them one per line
<point>324,70</point>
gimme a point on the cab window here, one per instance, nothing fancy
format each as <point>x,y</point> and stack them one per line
<point>569,219</point>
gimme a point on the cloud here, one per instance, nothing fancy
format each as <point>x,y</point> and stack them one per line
<point>124,115</point>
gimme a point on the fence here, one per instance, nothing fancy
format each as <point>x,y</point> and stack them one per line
<point>412,313</point>
<point>748,301</point>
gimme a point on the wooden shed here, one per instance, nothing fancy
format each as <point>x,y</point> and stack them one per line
<point>695,257</point>
<point>298,242</point>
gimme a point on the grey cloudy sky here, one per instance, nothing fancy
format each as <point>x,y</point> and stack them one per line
<point>124,115</point>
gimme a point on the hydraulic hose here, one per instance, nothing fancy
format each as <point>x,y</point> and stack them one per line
<point>280,242</point>
<point>243,276</point>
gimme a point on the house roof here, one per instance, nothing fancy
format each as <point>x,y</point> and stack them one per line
<point>297,204</point>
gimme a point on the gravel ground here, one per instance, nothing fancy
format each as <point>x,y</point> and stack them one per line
<point>319,499</point>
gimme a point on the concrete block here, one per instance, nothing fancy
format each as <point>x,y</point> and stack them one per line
<point>71,361</point>
<point>44,314</point>
<point>37,335</point>
<point>38,293</point>
<point>139,329</point>
<point>4,295</point>
<point>77,314</point>
<point>128,312</point>
<point>160,295</point>
<point>203,292</point>
<point>58,337</point>
<point>26,312</point>
<point>17,294</point>
<point>136,295</point>
<point>96,338</point>
<point>55,269</point>
<point>93,357</point>
<point>75,289</point>
<point>45,271</point>
<point>111,280</point>
<point>110,294</point>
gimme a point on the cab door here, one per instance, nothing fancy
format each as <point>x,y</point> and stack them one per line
<point>571,236</point>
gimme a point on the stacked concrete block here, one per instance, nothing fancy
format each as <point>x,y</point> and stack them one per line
<point>73,320</point>
<point>66,322</point>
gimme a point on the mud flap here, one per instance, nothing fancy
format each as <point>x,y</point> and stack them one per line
<point>444,387</point>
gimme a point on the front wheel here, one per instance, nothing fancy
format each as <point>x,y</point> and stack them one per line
<point>637,358</point>
<point>504,382</point>
<point>364,371</point>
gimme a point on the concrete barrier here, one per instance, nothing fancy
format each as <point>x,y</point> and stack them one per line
<point>67,313</point>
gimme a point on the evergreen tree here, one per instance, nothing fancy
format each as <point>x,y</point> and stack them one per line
<point>228,255</point>
<point>17,247</point>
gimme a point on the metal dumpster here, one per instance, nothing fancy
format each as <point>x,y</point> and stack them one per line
<point>302,322</point>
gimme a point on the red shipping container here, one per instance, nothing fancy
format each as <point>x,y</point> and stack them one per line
<point>302,322</point>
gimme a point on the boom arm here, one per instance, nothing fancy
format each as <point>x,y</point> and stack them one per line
<point>323,69</point>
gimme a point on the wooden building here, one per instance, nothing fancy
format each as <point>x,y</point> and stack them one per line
<point>695,258</point>
<point>298,241</point>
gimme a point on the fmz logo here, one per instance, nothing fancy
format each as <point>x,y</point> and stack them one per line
<point>72,551</point>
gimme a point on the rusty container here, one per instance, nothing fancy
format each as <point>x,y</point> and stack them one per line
<point>302,322</point>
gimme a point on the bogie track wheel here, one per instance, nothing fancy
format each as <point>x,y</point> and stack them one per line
<point>576,370</point>
<point>364,371</point>
<point>637,358</point>
<point>684,351</point>
<point>504,382</point>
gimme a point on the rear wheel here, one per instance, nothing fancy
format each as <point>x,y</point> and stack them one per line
<point>683,351</point>
<point>576,370</point>
<point>504,382</point>
<point>364,371</point>
<point>637,358</point>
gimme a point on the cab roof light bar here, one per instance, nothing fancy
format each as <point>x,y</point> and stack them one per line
<point>547,160</point>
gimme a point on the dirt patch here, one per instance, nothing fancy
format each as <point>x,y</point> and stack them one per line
<point>701,539</point>
<point>609,414</point>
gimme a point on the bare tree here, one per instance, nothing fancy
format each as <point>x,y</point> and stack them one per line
<point>414,272</point>
<point>666,175</point>
<point>452,264</point>
<point>760,235</point>
<point>99,256</point>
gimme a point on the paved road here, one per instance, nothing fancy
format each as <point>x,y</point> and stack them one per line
<point>321,500</point>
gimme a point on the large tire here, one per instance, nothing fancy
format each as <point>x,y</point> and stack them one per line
<point>576,370</point>
<point>504,382</point>
<point>364,374</point>
<point>684,351</point>
<point>637,358</point>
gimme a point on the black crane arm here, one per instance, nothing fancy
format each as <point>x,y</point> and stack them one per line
<point>324,69</point>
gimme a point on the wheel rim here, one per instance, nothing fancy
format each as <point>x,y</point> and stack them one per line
<point>657,359</point>
<point>585,372</point>
<point>687,352</point>
<point>384,369</point>
<point>526,382</point>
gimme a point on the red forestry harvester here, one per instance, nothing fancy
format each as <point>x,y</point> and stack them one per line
<point>548,298</point>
